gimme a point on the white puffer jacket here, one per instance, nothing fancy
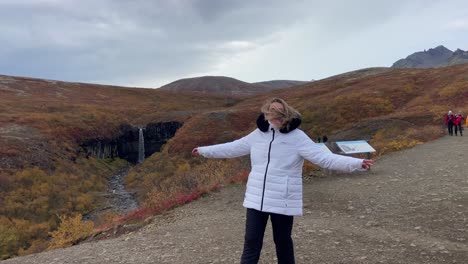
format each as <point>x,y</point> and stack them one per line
<point>275,181</point>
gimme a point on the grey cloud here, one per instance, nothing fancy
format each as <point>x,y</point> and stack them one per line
<point>108,39</point>
<point>89,40</point>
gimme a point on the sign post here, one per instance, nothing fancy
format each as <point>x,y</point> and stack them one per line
<point>356,146</point>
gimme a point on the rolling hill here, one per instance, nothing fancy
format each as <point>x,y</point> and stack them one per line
<point>45,172</point>
<point>225,86</point>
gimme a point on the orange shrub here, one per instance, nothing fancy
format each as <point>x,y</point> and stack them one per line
<point>70,231</point>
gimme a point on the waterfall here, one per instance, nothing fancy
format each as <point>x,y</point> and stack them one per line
<point>141,146</point>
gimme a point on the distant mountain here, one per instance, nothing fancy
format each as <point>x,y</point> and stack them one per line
<point>439,56</point>
<point>225,86</point>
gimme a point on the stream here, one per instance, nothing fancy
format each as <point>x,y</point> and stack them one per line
<point>116,198</point>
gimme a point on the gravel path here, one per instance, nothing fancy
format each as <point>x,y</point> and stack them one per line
<point>412,207</point>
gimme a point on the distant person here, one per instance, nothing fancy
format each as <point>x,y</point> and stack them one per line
<point>324,139</point>
<point>318,140</point>
<point>277,151</point>
<point>457,122</point>
<point>449,122</point>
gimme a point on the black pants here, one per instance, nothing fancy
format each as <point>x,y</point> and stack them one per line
<point>255,229</point>
<point>450,128</point>
<point>458,127</point>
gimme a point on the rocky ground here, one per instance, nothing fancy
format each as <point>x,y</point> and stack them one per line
<point>116,198</point>
<point>412,207</point>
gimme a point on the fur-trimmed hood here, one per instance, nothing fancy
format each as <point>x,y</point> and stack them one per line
<point>263,124</point>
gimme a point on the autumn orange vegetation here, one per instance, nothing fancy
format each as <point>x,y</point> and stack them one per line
<point>33,200</point>
<point>71,230</point>
<point>45,176</point>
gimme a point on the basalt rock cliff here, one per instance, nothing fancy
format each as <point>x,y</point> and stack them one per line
<point>125,145</point>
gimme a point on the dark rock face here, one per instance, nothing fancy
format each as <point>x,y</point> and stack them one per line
<point>433,58</point>
<point>157,134</point>
<point>125,146</point>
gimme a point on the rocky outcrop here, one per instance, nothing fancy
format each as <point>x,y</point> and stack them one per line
<point>101,148</point>
<point>125,146</point>
<point>432,58</point>
<point>157,134</point>
<point>459,57</point>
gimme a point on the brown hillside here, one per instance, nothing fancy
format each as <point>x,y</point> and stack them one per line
<point>393,109</point>
<point>44,174</point>
<point>72,112</point>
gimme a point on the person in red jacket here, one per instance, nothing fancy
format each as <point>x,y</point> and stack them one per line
<point>457,122</point>
<point>449,118</point>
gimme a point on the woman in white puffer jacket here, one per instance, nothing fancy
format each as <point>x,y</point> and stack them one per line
<point>277,151</point>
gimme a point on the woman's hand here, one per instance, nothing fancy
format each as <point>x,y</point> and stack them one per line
<point>366,164</point>
<point>195,152</point>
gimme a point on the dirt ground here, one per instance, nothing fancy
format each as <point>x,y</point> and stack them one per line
<point>412,207</point>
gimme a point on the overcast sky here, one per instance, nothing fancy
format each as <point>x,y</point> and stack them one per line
<point>150,43</point>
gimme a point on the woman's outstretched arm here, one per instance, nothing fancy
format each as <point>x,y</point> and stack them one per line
<point>236,148</point>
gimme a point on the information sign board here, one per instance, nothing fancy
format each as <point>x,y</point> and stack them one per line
<point>356,146</point>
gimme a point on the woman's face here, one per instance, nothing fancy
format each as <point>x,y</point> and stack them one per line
<point>276,121</point>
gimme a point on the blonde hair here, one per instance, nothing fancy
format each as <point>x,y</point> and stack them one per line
<point>287,113</point>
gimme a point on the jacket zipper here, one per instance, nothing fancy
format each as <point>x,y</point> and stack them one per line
<point>266,169</point>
